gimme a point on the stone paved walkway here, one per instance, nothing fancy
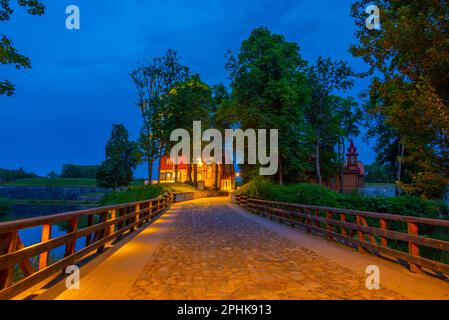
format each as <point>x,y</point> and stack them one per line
<point>211,252</point>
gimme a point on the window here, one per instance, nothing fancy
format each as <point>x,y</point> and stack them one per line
<point>200,176</point>
<point>209,172</point>
<point>168,162</point>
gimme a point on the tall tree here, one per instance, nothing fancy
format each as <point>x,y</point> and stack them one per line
<point>9,54</point>
<point>325,76</point>
<point>347,116</point>
<point>186,102</point>
<point>410,53</point>
<point>269,90</point>
<point>153,81</point>
<point>121,160</point>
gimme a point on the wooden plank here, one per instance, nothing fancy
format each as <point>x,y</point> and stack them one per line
<point>386,216</point>
<point>90,222</point>
<point>370,237</point>
<point>150,212</point>
<point>10,226</point>
<point>395,235</point>
<point>25,264</point>
<point>8,243</point>
<point>113,217</point>
<point>423,262</point>
<point>413,248</point>
<point>102,232</point>
<point>383,226</point>
<point>41,275</point>
<point>329,226</point>
<point>46,235</point>
<point>72,228</point>
<point>36,249</point>
<point>343,219</point>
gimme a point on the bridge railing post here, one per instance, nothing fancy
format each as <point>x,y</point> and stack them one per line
<point>329,228</point>
<point>45,236</point>
<point>90,222</point>
<point>383,226</point>
<point>8,244</point>
<point>360,235</point>
<point>343,231</point>
<point>72,227</point>
<point>102,233</point>
<point>413,249</point>
<point>136,219</point>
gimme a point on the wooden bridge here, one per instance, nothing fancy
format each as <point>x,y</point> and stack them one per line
<point>211,248</point>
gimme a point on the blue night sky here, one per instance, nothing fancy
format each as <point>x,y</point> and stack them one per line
<point>64,107</point>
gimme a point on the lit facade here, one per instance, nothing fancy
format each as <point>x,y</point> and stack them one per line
<point>206,174</point>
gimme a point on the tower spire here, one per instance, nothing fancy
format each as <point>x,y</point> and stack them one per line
<point>352,155</point>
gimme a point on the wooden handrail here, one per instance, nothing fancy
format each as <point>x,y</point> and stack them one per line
<point>60,217</point>
<point>104,225</point>
<point>333,223</point>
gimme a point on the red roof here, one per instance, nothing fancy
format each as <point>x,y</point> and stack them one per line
<point>167,164</point>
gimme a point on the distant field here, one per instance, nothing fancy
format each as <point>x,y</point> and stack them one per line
<point>58,182</point>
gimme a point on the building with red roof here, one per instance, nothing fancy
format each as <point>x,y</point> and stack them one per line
<point>206,173</point>
<point>353,172</point>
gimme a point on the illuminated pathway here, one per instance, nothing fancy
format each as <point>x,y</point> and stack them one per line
<point>211,249</point>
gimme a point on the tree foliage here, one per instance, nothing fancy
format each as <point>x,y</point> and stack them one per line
<point>7,175</point>
<point>273,87</point>
<point>121,159</point>
<point>9,54</point>
<point>410,101</point>
<point>269,89</point>
<point>153,80</point>
<point>322,113</point>
<point>79,171</point>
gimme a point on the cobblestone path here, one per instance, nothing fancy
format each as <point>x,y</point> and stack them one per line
<point>212,252</point>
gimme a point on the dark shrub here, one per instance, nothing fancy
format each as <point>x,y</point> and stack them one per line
<point>4,206</point>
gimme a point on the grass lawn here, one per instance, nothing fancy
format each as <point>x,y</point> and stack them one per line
<point>139,193</point>
<point>58,182</point>
<point>178,187</point>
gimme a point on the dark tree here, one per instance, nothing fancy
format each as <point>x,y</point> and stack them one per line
<point>121,159</point>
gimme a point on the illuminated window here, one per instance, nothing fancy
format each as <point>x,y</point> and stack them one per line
<point>209,172</point>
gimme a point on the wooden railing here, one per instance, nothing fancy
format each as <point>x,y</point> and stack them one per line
<point>366,231</point>
<point>98,227</point>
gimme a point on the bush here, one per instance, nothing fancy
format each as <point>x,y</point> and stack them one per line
<point>79,171</point>
<point>311,194</point>
<point>4,206</point>
<point>133,194</point>
<point>11,175</point>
